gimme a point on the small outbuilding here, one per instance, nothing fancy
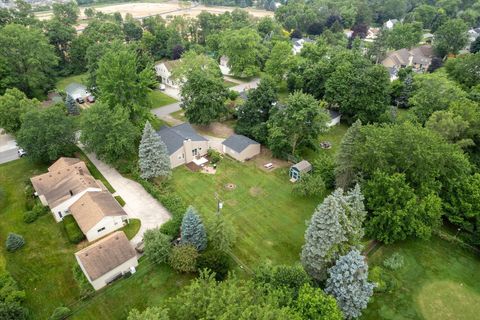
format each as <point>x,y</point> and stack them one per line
<point>335,118</point>
<point>298,169</point>
<point>107,260</point>
<point>240,147</point>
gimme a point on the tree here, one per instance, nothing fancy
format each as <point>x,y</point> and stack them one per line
<point>60,36</point>
<point>46,134</point>
<point>27,60</point>
<point>313,303</point>
<point>66,13</point>
<point>150,313</point>
<point>14,242</point>
<point>404,35</point>
<point>157,245</point>
<point>183,257</point>
<point>255,112</point>
<point>336,226</point>
<point>132,29</point>
<point>242,47</point>
<point>396,212</point>
<point>450,126</point>
<point>295,125</point>
<point>280,60</point>
<point>475,46</point>
<point>311,184</point>
<point>282,276</point>
<point>463,69</point>
<point>13,105</point>
<point>348,283</point>
<point>153,158</point>
<point>220,233</point>
<point>71,105</point>
<point>215,261</point>
<point>109,133</point>
<point>11,298</point>
<point>193,231</point>
<point>345,174</point>
<point>451,37</point>
<point>123,82</point>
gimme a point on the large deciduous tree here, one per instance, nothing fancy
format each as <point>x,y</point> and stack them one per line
<point>464,69</point>
<point>150,313</point>
<point>404,35</point>
<point>13,105</point>
<point>348,283</point>
<point>451,37</point>
<point>193,231</point>
<point>280,61</point>
<point>242,47</point>
<point>153,158</point>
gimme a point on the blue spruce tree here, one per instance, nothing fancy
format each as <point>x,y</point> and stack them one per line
<point>193,230</point>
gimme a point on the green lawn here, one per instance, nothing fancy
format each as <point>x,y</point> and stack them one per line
<point>229,84</point>
<point>334,135</point>
<point>132,228</point>
<point>64,82</point>
<point>270,221</point>
<point>439,281</point>
<point>159,99</point>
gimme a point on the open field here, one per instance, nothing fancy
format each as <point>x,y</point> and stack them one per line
<point>270,220</point>
<point>439,281</point>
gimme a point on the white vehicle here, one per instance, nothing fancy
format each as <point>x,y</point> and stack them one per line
<point>162,87</point>
<point>21,152</point>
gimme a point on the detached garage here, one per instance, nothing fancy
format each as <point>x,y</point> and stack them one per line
<point>240,147</point>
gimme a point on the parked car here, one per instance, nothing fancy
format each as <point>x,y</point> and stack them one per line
<point>140,247</point>
<point>80,100</point>
<point>21,152</point>
<point>91,99</point>
<point>162,87</point>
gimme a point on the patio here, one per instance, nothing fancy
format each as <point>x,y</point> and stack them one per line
<point>200,164</point>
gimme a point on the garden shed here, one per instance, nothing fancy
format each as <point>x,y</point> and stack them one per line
<point>298,169</point>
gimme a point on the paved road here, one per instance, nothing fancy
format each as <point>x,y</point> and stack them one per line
<point>165,110</point>
<point>139,203</point>
<point>8,148</point>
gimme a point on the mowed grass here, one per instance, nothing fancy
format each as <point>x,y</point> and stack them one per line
<point>64,82</point>
<point>269,219</point>
<point>159,99</point>
<point>334,135</point>
<point>439,281</point>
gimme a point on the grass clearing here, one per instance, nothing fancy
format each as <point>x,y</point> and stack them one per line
<point>269,219</point>
<point>131,229</point>
<point>64,82</point>
<point>439,281</point>
<point>159,99</point>
<point>334,135</point>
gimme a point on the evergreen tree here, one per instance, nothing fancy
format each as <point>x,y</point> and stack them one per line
<point>153,155</point>
<point>344,171</point>
<point>335,227</point>
<point>348,283</point>
<point>71,106</point>
<point>407,90</point>
<point>193,230</point>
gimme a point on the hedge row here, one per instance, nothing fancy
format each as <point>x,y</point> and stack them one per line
<point>74,234</point>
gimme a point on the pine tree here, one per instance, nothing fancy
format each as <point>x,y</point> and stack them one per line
<point>193,230</point>
<point>345,171</point>
<point>71,105</point>
<point>348,283</point>
<point>153,156</point>
<point>335,227</point>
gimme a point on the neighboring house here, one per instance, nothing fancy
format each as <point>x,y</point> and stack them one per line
<point>297,170</point>
<point>335,118</point>
<point>164,72</point>
<point>348,33</point>
<point>372,34</point>
<point>390,23</point>
<point>66,181</point>
<point>107,260</point>
<point>299,43</point>
<point>473,34</point>
<point>98,214</point>
<point>224,66</point>
<point>418,58</point>
<point>183,143</point>
<point>77,90</point>
<point>241,147</point>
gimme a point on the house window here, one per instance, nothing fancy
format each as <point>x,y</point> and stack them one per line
<point>100,230</point>
<point>60,214</point>
<point>194,152</point>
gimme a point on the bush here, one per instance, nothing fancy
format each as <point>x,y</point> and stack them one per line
<point>14,242</point>
<point>74,234</point>
<point>214,156</point>
<point>395,262</point>
<point>13,311</point>
<point>311,184</point>
<point>82,281</point>
<point>183,258</point>
<point>233,95</point>
<point>172,226</point>
<point>157,245</point>
<point>40,210</point>
<point>29,216</point>
<point>60,313</point>
<point>29,197</point>
<point>216,261</point>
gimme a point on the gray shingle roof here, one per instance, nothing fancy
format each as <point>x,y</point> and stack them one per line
<point>173,137</point>
<point>238,142</point>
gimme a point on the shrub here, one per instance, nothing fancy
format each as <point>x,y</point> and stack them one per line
<point>216,261</point>
<point>13,311</point>
<point>183,258</point>
<point>74,234</point>
<point>311,184</point>
<point>60,313</point>
<point>29,216</point>
<point>395,262</point>
<point>29,197</point>
<point>82,281</point>
<point>14,242</point>
<point>40,210</point>
<point>233,95</point>
<point>214,156</point>
<point>157,245</point>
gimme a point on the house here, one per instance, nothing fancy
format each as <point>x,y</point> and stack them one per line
<point>240,147</point>
<point>164,72</point>
<point>390,23</point>
<point>77,90</point>
<point>418,58</point>
<point>98,214</point>
<point>299,43</point>
<point>66,181</point>
<point>183,143</point>
<point>372,34</point>
<point>298,169</point>
<point>107,260</point>
<point>335,118</point>
<point>348,33</point>
<point>224,68</point>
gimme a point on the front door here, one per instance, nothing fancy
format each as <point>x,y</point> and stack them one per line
<point>195,152</point>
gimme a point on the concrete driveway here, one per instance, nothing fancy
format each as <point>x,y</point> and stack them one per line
<point>139,203</point>
<point>8,148</point>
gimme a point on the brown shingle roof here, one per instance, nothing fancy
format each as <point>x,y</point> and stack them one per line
<point>92,207</point>
<point>66,177</point>
<point>105,255</point>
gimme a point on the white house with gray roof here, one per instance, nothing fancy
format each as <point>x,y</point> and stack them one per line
<point>183,143</point>
<point>241,147</point>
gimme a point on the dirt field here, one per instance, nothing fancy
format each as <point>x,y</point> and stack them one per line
<point>139,10</point>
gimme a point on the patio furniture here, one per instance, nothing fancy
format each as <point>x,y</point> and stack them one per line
<point>268,165</point>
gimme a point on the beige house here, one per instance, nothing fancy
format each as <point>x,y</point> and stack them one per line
<point>241,147</point>
<point>183,143</point>
<point>418,58</point>
<point>164,71</point>
<point>98,214</point>
<point>66,181</point>
<point>107,260</point>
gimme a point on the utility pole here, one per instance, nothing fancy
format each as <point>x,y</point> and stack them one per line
<point>219,203</point>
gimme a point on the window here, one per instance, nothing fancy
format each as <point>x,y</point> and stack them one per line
<point>100,230</point>
<point>60,214</point>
